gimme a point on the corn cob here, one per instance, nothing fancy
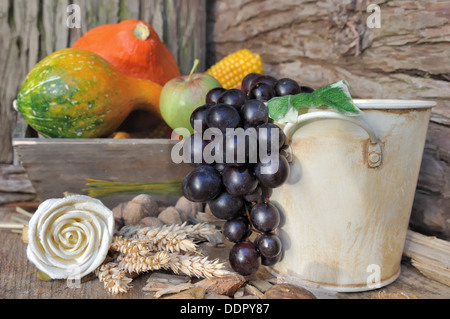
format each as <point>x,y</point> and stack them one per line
<point>231,70</point>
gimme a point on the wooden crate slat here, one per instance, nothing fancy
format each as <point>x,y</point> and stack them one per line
<point>55,166</point>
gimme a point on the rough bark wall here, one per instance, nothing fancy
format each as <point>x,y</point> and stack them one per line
<point>318,42</point>
<point>32,29</point>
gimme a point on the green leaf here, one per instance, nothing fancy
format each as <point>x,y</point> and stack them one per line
<point>336,96</point>
<point>278,107</point>
<point>303,100</point>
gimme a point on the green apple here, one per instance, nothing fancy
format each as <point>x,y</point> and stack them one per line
<point>182,95</point>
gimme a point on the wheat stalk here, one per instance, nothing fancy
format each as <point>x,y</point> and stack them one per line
<point>169,247</point>
<point>172,238</point>
<point>191,265</point>
<point>157,239</point>
<point>139,264</point>
<point>196,265</point>
<point>129,246</point>
<point>114,278</point>
<point>195,232</point>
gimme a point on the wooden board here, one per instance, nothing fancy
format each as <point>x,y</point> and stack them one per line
<point>430,255</point>
<point>18,278</point>
<point>55,166</point>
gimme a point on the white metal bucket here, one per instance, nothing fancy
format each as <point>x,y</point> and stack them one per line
<point>347,203</point>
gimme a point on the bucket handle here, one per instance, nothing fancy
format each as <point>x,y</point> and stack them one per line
<point>374,157</point>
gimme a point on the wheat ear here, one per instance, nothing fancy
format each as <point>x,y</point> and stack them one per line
<point>114,278</point>
<point>196,265</point>
<point>139,264</point>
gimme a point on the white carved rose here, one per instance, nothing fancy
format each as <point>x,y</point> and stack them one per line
<point>70,237</point>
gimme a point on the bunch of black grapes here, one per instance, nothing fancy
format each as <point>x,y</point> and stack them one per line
<point>237,188</point>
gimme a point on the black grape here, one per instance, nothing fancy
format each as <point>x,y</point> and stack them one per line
<point>286,86</point>
<point>266,79</point>
<point>268,245</point>
<point>266,136</point>
<point>223,116</point>
<point>266,261</point>
<point>306,89</point>
<point>274,172</point>
<point>239,180</point>
<point>254,196</point>
<point>226,206</point>
<point>262,91</point>
<point>265,217</point>
<point>199,114</point>
<point>213,95</point>
<point>234,97</point>
<point>248,81</point>
<point>236,230</point>
<point>254,113</point>
<point>244,258</point>
<point>202,184</point>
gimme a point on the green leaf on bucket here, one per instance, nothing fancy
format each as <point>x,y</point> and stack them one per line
<point>336,96</point>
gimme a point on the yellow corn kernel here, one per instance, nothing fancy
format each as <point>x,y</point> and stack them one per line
<point>231,70</point>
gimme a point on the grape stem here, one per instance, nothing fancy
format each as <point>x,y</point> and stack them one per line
<point>250,220</point>
<point>265,195</point>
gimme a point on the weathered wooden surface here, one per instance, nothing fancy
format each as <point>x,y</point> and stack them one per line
<point>63,165</point>
<point>15,185</point>
<point>18,279</point>
<point>31,30</point>
<point>319,42</point>
<point>430,255</point>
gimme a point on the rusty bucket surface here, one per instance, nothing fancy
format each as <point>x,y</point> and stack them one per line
<point>347,202</point>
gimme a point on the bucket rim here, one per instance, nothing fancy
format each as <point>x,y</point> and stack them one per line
<point>385,104</point>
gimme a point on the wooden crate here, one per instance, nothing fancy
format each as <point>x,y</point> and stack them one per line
<point>55,166</point>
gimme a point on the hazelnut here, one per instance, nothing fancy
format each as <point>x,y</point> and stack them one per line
<point>148,203</point>
<point>119,222</point>
<point>132,212</point>
<point>187,208</point>
<point>170,216</point>
<point>152,222</point>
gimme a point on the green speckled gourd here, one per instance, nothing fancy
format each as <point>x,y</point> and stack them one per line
<point>75,93</point>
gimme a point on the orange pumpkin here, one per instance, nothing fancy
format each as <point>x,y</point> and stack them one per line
<point>134,48</point>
